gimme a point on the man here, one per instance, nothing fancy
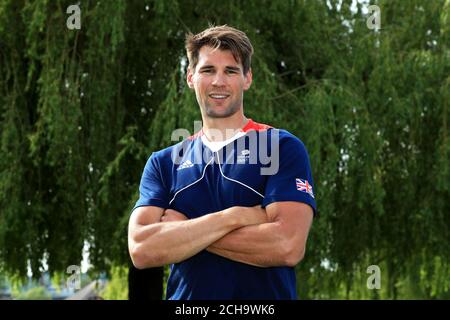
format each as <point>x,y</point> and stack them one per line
<point>228,230</point>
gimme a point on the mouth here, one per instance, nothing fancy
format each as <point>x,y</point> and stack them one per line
<point>218,96</point>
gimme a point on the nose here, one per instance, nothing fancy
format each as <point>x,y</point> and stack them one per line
<point>219,79</point>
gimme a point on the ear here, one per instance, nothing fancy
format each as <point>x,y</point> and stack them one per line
<point>248,78</point>
<point>189,76</point>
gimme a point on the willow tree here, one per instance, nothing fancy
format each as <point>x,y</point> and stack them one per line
<point>76,106</point>
<point>82,110</point>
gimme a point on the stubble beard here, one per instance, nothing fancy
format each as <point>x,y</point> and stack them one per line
<point>228,112</point>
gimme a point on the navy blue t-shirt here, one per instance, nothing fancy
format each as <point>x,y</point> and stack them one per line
<point>260,166</point>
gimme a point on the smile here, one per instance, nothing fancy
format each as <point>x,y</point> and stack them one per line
<point>218,96</point>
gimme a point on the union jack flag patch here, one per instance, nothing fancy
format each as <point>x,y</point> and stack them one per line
<point>304,186</point>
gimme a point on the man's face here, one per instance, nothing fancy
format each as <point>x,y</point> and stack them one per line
<point>219,82</point>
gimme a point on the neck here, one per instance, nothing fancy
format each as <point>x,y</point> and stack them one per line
<point>220,129</point>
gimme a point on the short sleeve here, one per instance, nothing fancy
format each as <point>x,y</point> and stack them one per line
<point>293,181</point>
<point>152,191</point>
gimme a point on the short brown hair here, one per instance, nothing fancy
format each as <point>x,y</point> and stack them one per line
<point>223,38</point>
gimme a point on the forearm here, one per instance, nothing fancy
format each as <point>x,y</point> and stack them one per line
<point>171,242</point>
<point>261,245</point>
<point>254,259</point>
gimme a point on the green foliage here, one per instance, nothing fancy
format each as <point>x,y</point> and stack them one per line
<point>82,110</point>
<point>117,286</point>
<point>35,293</point>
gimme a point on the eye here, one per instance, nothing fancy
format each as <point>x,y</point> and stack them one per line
<point>206,71</point>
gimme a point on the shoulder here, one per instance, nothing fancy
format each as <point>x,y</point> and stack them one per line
<point>276,136</point>
<point>286,144</point>
<point>289,138</point>
<point>286,138</point>
<point>282,134</point>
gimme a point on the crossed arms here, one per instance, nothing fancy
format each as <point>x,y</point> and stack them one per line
<point>274,236</point>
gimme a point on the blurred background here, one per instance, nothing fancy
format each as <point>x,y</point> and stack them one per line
<point>82,109</point>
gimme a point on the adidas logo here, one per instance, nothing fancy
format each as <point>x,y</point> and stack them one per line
<point>185,164</point>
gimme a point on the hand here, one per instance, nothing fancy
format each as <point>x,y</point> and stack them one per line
<point>173,215</point>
